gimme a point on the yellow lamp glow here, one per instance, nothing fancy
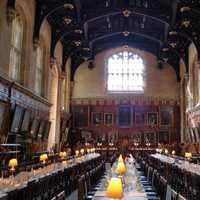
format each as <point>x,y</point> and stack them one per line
<point>173,152</point>
<point>13,163</point>
<point>120,159</point>
<point>166,151</point>
<point>188,155</point>
<point>43,158</point>
<point>77,152</point>
<point>121,168</point>
<point>88,150</point>
<point>82,151</point>
<point>115,189</point>
<point>63,155</point>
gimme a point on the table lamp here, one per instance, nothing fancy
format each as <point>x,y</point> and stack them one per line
<point>173,152</point>
<point>120,158</point>
<point>121,168</point>
<point>188,155</point>
<point>77,153</point>
<point>88,150</point>
<point>115,189</point>
<point>62,155</point>
<point>43,157</point>
<point>82,151</point>
<point>13,163</point>
<point>166,151</point>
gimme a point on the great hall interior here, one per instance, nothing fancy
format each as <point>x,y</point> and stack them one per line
<point>99,99</point>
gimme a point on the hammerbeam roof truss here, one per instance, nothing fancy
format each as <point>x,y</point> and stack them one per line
<point>87,27</point>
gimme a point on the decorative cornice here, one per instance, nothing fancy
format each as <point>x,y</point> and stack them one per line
<point>8,82</point>
<point>31,94</point>
<point>136,100</point>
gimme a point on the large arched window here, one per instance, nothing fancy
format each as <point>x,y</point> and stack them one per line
<point>39,69</point>
<point>16,48</point>
<point>125,73</point>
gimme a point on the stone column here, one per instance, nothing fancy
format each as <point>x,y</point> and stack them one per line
<point>197,66</point>
<point>183,106</point>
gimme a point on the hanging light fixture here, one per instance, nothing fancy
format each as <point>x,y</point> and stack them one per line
<point>126,13</point>
<point>185,15</point>
<point>173,39</point>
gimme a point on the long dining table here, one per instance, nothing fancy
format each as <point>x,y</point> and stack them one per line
<point>132,187</point>
<point>21,180</point>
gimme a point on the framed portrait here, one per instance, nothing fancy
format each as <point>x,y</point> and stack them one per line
<point>112,136</point>
<point>108,119</point>
<point>150,137</point>
<point>139,119</point>
<point>137,137</point>
<point>80,116</point>
<point>163,137</point>
<point>97,118</point>
<point>124,116</point>
<point>152,119</point>
<point>166,116</point>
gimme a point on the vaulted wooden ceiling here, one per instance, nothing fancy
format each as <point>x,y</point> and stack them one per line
<point>85,27</point>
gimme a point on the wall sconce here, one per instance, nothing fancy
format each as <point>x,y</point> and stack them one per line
<point>185,21</point>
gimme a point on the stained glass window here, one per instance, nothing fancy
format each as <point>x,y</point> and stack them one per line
<point>125,73</point>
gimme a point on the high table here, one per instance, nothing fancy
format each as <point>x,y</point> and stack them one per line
<point>21,180</point>
<point>133,188</point>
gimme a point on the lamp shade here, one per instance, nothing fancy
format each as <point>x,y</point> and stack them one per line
<point>115,189</point>
<point>121,168</point>
<point>63,154</point>
<point>173,152</point>
<point>120,159</point>
<point>77,152</point>
<point>188,155</point>
<point>43,157</point>
<point>13,163</point>
<point>82,151</point>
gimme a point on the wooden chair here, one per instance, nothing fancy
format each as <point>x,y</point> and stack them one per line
<point>81,188</point>
<point>162,188</point>
<point>61,196</point>
<point>180,197</point>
